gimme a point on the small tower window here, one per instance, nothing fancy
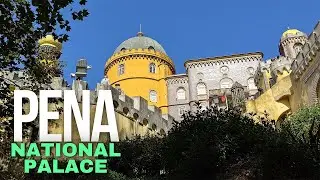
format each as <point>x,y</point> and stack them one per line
<point>123,49</point>
<point>297,48</point>
<point>201,89</point>
<point>251,84</point>
<point>181,93</point>
<point>151,48</point>
<point>152,68</point>
<point>121,69</point>
<point>153,96</point>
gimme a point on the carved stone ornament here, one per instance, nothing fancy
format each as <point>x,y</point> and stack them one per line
<point>250,70</point>
<point>224,69</point>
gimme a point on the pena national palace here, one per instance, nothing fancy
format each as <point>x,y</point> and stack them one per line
<point>148,95</point>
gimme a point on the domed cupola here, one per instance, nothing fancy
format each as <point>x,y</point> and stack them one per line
<point>291,43</point>
<point>140,42</point>
<point>139,67</point>
<point>292,33</point>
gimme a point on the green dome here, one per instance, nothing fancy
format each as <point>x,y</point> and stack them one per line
<point>140,42</point>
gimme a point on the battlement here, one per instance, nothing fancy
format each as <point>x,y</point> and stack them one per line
<point>137,109</point>
<point>177,79</point>
<point>293,34</point>
<point>211,61</point>
<point>137,53</point>
<point>308,53</point>
<point>279,65</point>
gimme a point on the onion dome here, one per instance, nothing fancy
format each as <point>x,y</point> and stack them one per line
<point>50,41</point>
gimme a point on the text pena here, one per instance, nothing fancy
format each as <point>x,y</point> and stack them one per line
<point>70,105</point>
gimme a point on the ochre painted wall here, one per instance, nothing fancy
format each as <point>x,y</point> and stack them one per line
<point>275,101</point>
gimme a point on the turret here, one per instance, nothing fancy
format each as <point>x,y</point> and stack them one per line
<point>81,72</point>
<point>49,49</point>
<point>292,42</point>
<point>139,67</point>
<point>280,67</point>
<point>238,96</point>
<point>263,78</point>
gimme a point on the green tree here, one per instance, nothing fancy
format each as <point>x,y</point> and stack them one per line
<point>300,122</point>
<point>143,157</point>
<point>23,23</point>
<point>219,144</point>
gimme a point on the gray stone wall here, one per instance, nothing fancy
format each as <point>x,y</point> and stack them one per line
<point>306,67</point>
<point>176,105</point>
<point>217,72</point>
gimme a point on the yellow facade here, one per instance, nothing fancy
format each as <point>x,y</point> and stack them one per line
<point>275,100</point>
<point>295,78</point>
<point>136,79</point>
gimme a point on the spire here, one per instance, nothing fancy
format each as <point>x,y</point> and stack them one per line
<point>140,33</point>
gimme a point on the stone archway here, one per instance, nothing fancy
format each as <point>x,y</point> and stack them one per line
<point>314,91</point>
<point>282,118</point>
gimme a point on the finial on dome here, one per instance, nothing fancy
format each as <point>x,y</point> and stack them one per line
<point>140,33</point>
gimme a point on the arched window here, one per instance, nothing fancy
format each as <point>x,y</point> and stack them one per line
<point>201,89</point>
<point>123,49</point>
<point>181,93</point>
<point>251,84</point>
<point>226,83</point>
<point>152,68</point>
<point>121,69</point>
<point>151,48</point>
<point>153,96</point>
<point>181,110</point>
<point>297,48</point>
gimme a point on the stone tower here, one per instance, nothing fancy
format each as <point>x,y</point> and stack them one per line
<point>291,43</point>
<point>139,67</point>
<point>78,83</point>
<point>49,50</point>
<point>238,96</point>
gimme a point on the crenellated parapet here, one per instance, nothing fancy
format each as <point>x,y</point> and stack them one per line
<point>279,65</point>
<point>290,39</point>
<point>177,79</point>
<point>232,59</point>
<point>308,53</point>
<point>136,109</point>
<point>133,54</point>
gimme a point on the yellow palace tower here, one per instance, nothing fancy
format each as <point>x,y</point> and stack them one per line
<point>49,50</point>
<point>139,67</point>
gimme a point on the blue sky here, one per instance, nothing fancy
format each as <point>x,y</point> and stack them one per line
<point>186,29</point>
